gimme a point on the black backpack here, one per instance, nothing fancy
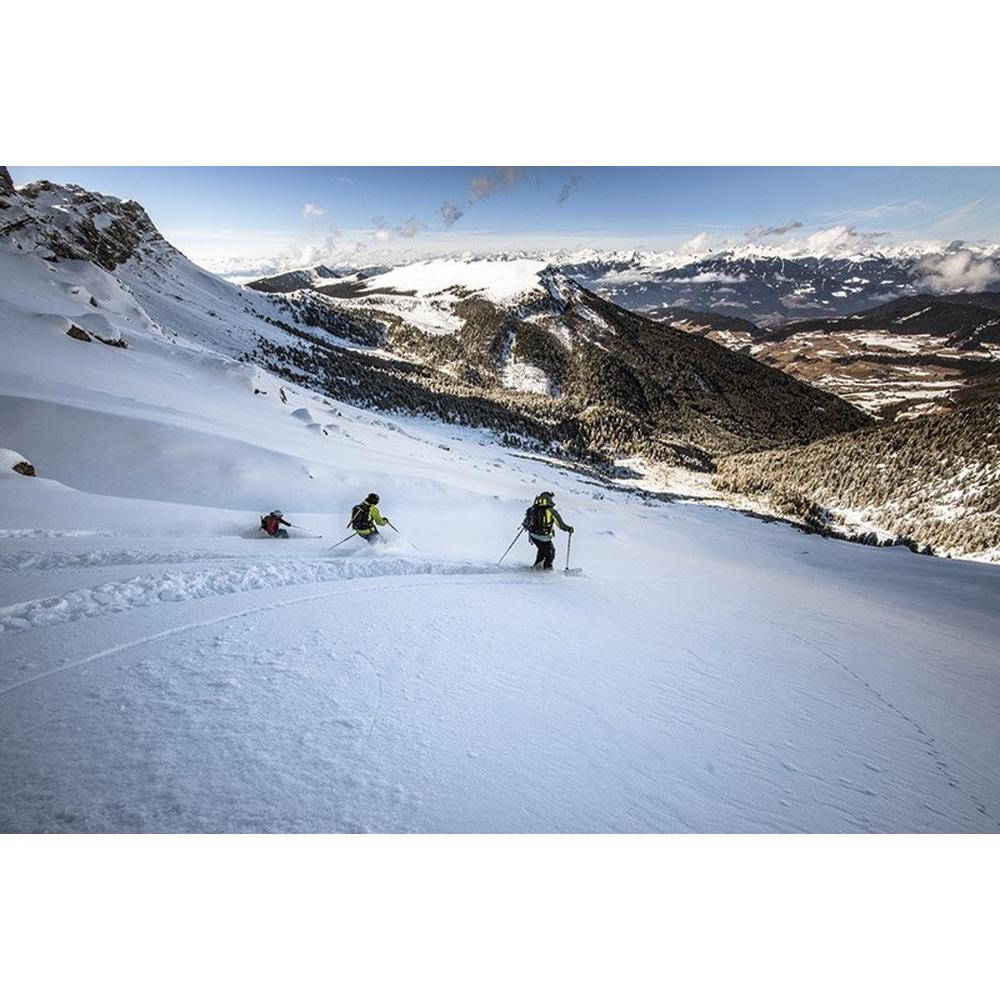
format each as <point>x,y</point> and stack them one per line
<point>534,520</point>
<point>361,517</point>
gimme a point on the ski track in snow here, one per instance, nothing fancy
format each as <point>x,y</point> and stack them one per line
<point>53,533</point>
<point>11,562</point>
<point>256,610</point>
<point>931,744</point>
<point>140,592</point>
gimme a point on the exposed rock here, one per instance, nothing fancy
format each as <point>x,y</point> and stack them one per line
<point>62,222</point>
<point>77,334</point>
<point>14,461</point>
<point>117,342</point>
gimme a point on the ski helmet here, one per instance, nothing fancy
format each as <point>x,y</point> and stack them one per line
<point>372,498</point>
<point>545,497</point>
<point>278,513</point>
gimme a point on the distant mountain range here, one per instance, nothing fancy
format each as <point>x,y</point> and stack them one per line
<point>763,284</point>
<point>772,289</point>
<point>529,349</point>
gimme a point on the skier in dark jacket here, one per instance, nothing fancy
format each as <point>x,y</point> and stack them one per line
<point>366,518</point>
<point>271,523</point>
<point>538,522</point>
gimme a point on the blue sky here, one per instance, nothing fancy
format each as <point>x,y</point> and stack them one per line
<point>216,212</point>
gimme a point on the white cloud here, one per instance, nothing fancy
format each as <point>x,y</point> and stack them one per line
<point>846,216</point>
<point>952,218</point>
<point>483,186</point>
<point>707,277</point>
<point>409,228</point>
<point>697,244</point>
<point>311,211</point>
<point>406,230</point>
<point>569,187</point>
<point>957,272</point>
<point>837,239</point>
<point>450,214</point>
<point>785,227</point>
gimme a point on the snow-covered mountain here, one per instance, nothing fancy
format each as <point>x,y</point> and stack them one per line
<point>568,367</point>
<point>166,668</point>
<point>867,334</point>
<point>762,283</point>
<point>769,287</point>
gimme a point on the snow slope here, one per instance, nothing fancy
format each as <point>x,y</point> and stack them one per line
<point>165,668</point>
<point>498,279</point>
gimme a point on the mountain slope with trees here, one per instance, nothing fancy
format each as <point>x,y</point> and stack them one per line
<point>933,481</point>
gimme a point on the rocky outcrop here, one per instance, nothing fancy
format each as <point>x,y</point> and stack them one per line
<point>65,222</point>
<point>78,334</point>
<point>14,461</point>
<point>6,185</point>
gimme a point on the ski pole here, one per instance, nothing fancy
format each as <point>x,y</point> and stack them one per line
<point>401,535</point>
<point>347,539</point>
<point>509,547</point>
<point>569,542</point>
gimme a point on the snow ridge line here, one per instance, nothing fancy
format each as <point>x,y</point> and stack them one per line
<point>12,562</point>
<point>140,592</point>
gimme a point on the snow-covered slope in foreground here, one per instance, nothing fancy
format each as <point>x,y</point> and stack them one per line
<point>164,668</point>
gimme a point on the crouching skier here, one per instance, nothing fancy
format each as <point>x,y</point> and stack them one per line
<point>538,521</point>
<point>366,518</point>
<point>271,523</point>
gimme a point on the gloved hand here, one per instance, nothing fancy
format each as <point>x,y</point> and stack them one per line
<point>570,530</point>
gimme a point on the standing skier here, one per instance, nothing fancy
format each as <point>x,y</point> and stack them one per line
<point>271,523</point>
<point>366,518</point>
<point>538,521</point>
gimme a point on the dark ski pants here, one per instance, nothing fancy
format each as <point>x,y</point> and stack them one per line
<point>372,537</point>
<point>546,553</point>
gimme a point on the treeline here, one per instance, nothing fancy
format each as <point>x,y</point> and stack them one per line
<point>933,482</point>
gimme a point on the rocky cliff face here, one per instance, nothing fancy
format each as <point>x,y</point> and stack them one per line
<point>65,222</point>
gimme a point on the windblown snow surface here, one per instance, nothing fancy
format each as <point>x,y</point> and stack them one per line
<point>163,667</point>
